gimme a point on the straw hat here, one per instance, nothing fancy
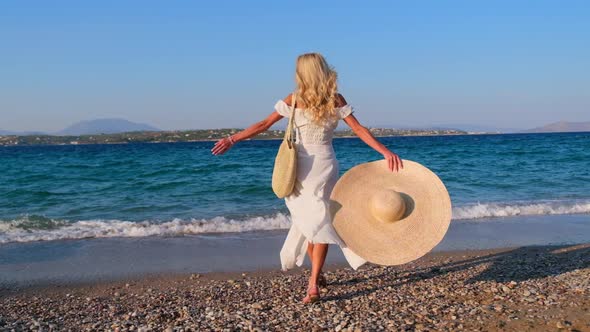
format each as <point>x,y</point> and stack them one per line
<point>390,218</point>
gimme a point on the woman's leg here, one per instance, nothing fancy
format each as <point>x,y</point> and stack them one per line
<point>318,257</point>
<point>310,251</point>
<point>321,279</point>
<point>317,252</point>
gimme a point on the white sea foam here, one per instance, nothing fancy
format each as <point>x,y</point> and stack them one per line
<point>491,210</point>
<point>29,229</point>
<point>13,231</point>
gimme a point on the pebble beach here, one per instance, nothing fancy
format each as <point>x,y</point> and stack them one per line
<point>537,288</point>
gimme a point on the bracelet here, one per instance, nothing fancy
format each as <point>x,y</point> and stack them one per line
<point>231,140</point>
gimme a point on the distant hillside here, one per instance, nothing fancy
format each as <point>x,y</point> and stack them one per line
<point>481,128</point>
<point>190,136</point>
<point>561,127</point>
<point>105,126</point>
<point>472,128</point>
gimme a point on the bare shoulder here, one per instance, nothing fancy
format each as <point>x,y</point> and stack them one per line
<point>288,99</point>
<point>340,101</point>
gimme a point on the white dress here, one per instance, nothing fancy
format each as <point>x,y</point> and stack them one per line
<point>309,203</point>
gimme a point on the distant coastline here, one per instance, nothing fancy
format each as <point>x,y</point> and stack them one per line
<point>201,135</point>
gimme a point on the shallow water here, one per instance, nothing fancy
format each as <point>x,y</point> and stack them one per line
<point>80,260</point>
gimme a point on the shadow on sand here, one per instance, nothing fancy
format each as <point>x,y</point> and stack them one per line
<point>519,264</point>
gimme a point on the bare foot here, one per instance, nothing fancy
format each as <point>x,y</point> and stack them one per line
<point>313,294</point>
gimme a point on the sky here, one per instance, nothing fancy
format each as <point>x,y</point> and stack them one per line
<point>220,64</point>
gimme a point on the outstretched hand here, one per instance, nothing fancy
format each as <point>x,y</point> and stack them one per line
<point>394,162</point>
<point>222,145</point>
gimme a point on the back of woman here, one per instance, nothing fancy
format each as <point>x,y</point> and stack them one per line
<point>318,105</point>
<point>316,108</point>
<point>307,131</point>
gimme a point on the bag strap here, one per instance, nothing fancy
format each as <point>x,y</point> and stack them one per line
<point>289,131</point>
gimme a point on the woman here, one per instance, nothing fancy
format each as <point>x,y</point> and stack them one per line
<point>318,107</point>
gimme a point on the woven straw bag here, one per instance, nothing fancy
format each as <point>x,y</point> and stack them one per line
<point>285,170</point>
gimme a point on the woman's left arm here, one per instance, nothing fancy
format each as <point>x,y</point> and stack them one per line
<point>224,144</point>
<point>394,162</point>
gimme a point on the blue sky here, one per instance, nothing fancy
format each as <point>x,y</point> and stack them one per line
<point>211,64</point>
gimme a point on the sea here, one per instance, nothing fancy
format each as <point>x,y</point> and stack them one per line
<point>59,192</point>
<point>51,193</point>
<point>83,213</point>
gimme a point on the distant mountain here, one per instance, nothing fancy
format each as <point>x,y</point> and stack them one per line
<point>561,127</point>
<point>105,126</point>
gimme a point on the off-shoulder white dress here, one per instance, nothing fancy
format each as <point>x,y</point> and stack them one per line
<point>309,204</point>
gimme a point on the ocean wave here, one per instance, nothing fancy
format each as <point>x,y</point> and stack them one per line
<point>494,210</point>
<point>39,228</point>
<point>24,230</point>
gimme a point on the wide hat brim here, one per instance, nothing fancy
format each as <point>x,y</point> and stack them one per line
<point>421,227</point>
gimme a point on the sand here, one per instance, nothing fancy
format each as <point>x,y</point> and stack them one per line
<point>537,288</point>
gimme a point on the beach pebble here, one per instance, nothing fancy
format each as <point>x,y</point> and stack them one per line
<point>563,324</point>
<point>473,297</point>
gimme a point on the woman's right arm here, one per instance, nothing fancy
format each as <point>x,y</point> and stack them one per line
<point>224,144</point>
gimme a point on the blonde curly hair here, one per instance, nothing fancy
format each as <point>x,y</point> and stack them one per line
<point>316,87</point>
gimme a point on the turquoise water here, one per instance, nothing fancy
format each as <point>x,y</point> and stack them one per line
<point>86,191</point>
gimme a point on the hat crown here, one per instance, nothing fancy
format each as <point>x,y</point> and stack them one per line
<point>387,205</point>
